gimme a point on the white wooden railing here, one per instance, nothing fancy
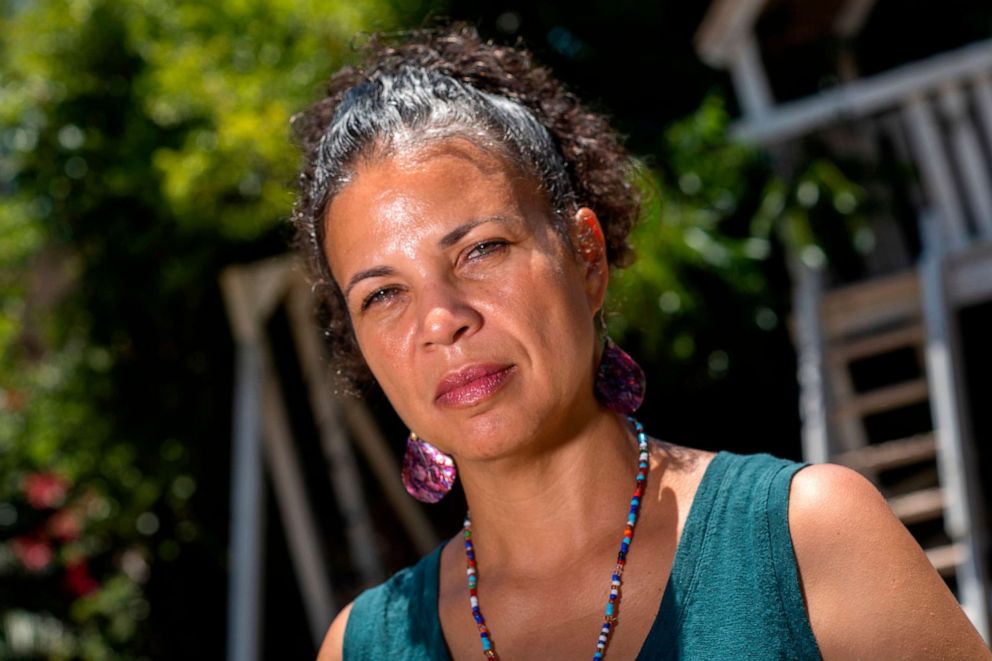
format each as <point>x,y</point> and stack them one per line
<point>944,104</point>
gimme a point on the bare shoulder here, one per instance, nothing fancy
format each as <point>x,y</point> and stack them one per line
<point>870,590</point>
<point>676,473</point>
<point>688,464</point>
<point>332,648</point>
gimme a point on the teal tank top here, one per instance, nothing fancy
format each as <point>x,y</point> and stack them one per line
<point>733,592</point>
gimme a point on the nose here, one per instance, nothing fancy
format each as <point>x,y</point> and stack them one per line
<point>447,316</point>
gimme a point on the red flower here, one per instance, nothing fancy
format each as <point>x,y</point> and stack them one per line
<point>78,580</point>
<point>35,554</point>
<point>64,526</point>
<point>13,400</point>
<point>44,490</point>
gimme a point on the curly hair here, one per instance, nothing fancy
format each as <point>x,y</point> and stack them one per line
<point>429,84</point>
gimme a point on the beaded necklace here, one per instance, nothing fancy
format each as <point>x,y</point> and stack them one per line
<point>610,617</point>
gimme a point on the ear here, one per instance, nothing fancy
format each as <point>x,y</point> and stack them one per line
<point>587,234</point>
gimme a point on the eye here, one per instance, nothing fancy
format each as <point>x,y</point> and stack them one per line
<point>486,248</point>
<point>381,295</point>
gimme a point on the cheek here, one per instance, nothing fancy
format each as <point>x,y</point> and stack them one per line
<point>569,326</point>
<point>383,353</point>
<point>548,306</point>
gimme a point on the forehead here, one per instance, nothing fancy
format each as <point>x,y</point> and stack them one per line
<point>396,200</point>
<point>432,171</point>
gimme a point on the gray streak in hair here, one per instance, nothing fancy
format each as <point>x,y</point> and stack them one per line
<point>413,105</point>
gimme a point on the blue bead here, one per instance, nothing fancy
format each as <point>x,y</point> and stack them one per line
<point>616,577</point>
<point>486,644</point>
<point>609,608</point>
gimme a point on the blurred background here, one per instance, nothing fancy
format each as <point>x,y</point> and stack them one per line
<point>179,478</point>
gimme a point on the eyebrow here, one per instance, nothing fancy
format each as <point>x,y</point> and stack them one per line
<point>374,272</point>
<point>455,235</point>
<point>446,241</point>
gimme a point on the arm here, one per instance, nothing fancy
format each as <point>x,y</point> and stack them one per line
<point>333,647</point>
<point>870,591</point>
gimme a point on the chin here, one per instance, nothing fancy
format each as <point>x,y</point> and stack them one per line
<point>495,434</point>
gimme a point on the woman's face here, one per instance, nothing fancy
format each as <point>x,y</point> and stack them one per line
<point>471,312</point>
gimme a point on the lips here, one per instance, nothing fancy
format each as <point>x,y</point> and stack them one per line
<point>472,384</point>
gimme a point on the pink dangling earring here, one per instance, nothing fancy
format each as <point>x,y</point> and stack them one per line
<point>619,380</point>
<point>428,473</point>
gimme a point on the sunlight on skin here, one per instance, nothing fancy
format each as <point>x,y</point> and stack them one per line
<point>503,293</point>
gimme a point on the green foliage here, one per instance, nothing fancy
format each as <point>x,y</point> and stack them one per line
<point>230,73</point>
<point>142,146</point>
<point>712,217</point>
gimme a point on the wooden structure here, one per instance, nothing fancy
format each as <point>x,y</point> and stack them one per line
<point>263,440</point>
<point>938,115</point>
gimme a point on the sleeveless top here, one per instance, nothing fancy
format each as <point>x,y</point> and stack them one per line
<point>733,592</point>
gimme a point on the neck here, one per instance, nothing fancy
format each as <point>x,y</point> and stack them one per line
<point>527,512</point>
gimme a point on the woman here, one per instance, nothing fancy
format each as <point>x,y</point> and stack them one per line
<point>460,212</point>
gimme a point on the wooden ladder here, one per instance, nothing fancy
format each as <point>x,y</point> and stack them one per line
<point>883,427</point>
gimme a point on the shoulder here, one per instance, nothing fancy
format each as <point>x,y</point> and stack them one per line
<point>822,493</point>
<point>833,509</point>
<point>332,648</point>
<point>838,518</point>
<point>680,463</point>
<point>372,605</point>
<point>870,590</point>
<point>388,620</point>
